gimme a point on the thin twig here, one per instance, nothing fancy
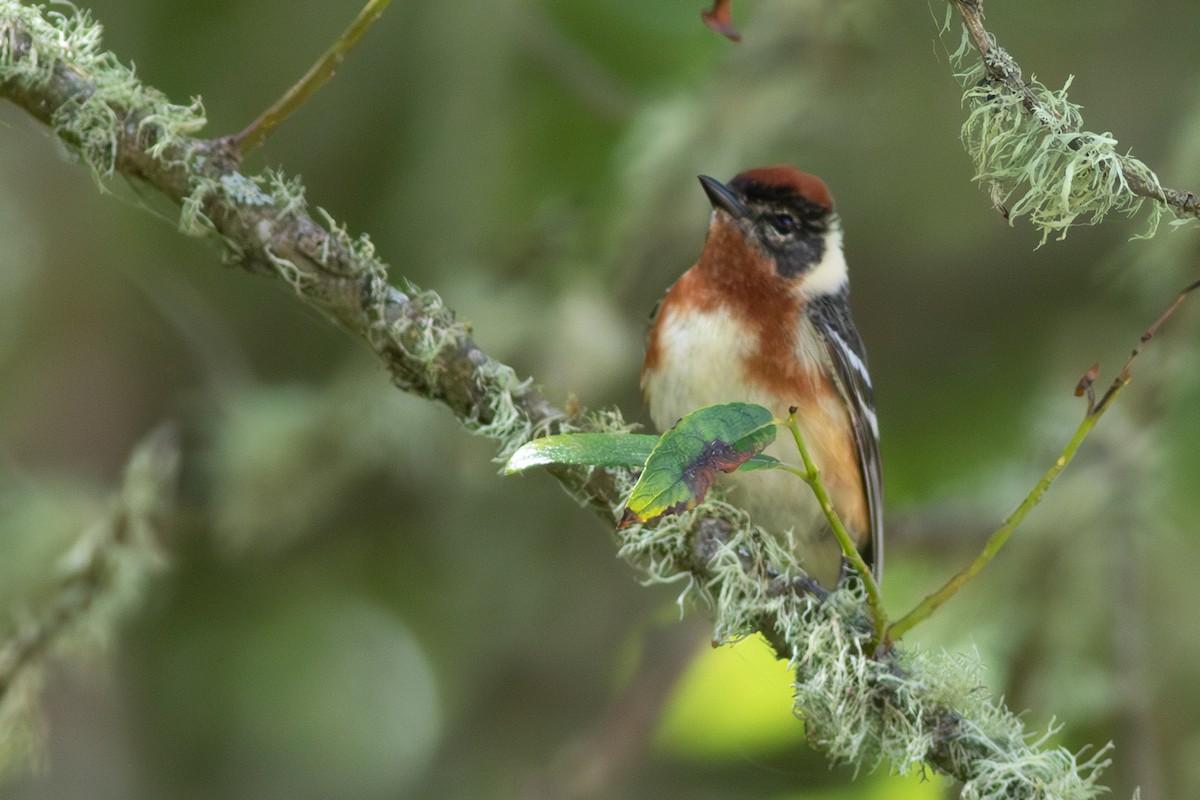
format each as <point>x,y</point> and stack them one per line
<point>812,476</point>
<point>997,540</point>
<point>933,601</point>
<point>317,76</point>
<point>1147,335</point>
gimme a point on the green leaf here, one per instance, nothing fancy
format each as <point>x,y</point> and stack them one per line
<point>683,465</point>
<point>759,462</point>
<point>597,449</point>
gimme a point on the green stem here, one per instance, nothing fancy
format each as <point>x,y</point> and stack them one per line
<point>317,76</point>
<point>812,476</point>
<point>930,604</point>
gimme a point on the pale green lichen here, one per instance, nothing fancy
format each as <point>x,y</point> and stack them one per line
<point>1021,767</point>
<point>358,254</point>
<point>232,188</point>
<point>92,126</point>
<point>860,711</point>
<point>422,330</point>
<point>192,219</point>
<point>300,280</point>
<point>1031,151</point>
<point>244,191</point>
<point>55,38</point>
<point>169,123</point>
<point>93,123</point>
<point>507,423</point>
<point>287,193</point>
<point>607,420</point>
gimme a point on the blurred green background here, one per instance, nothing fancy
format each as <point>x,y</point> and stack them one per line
<point>359,606</point>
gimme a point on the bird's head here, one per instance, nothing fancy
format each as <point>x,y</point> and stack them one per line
<point>781,217</point>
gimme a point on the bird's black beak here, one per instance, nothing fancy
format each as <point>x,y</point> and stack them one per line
<point>722,197</point>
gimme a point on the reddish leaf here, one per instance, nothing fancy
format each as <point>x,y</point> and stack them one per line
<point>1089,378</point>
<point>687,458</point>
<point>720,20</point>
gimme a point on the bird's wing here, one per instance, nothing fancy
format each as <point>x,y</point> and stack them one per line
<point>831,316</point>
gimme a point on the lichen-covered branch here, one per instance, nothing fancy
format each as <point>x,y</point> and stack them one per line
<point>902,707</point>
<point>897,706</point>
<point>98,577</point>
<point>51,65</point>
<point>1031,150</point>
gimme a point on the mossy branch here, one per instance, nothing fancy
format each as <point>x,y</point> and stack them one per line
<point>859,707</point>
<point>50,66</point>
<point>99,577</point>
<point>1031,151</point>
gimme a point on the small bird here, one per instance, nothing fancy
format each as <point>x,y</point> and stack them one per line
<point>763,317</point>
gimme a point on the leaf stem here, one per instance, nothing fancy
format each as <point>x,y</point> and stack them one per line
<point>811,475</point>
<point>317,76</point>
<point>1095,410</point>
<point>931,602</point>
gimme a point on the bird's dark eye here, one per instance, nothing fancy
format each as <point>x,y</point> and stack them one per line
<point>784,223</point>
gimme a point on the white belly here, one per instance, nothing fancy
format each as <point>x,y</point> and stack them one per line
<point>701,365</point>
